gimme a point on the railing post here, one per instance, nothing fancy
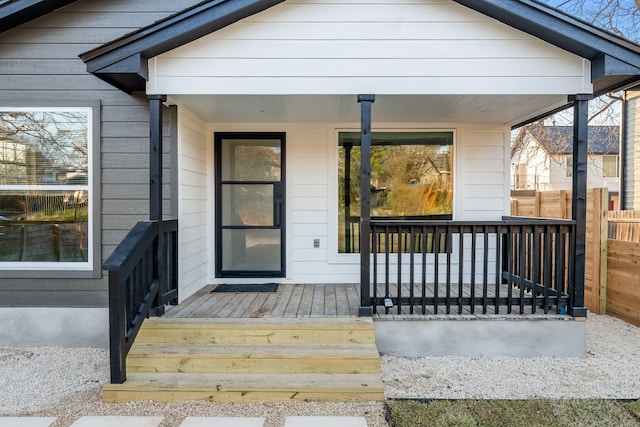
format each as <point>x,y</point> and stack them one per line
<point>579,202</point>
<point>155,196</point>
<point>117,329</point>
<point>366,308</point>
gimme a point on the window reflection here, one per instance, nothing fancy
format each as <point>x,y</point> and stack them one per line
<point>411,178</point>
<point>44,186</point>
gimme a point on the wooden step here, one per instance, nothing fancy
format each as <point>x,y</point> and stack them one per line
<point>257,331</point>
<point>283,358</point>
<point>252,360</point>
<point>246,387</point>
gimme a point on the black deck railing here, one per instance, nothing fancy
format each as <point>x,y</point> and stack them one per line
<point>143,274</point>
<point>352,227</point>
<point>449,267</point>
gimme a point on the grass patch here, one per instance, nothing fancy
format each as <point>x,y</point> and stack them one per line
<point>634,409</point>
<point>514,413</point>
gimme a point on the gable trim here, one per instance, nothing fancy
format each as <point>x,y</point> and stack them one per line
<point>615,61</point>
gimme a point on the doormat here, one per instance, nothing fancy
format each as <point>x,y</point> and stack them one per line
<point>263,287</point>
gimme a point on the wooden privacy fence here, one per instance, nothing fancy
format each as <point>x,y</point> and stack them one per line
<point>612,276</point>
<point>623,268</point>
<point>624,225</point>
<point>623,280</point>
<point>557,204</point>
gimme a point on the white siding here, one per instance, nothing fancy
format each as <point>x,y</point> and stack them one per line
<point>357,46</point>
<point>559,180</point>
<point>480,186</point>
<point>631,147</point>
<point>193,211</point>
<point>483,174</point>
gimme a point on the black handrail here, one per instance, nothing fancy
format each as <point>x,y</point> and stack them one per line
<point>461,266</point>
<point>136,277</point>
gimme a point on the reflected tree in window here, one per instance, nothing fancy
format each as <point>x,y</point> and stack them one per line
<point>411,178</point>
<point>44,185</point>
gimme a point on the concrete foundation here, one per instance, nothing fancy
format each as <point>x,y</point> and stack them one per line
<point>475,336</point>
<point>62,327</point>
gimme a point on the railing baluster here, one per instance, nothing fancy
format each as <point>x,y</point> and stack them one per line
<point>436,262</point>
<point>548,266</point>
<point>399,272</point>
<point>522,266</point>
<point>412,242</point>
<point>460,269</point>
<point>499,267</point>
<point>485,270</point>
<point>423,299</point>
<point>375,249</point>
<point>474,250</point>
<point>388,267</point>
<point>537,261</point>
<point>449,246</point>
<point>511,249</point>
<point>561,268</point>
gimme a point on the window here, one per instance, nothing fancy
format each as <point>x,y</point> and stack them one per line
<point>569,167</point>
<point>610,166</point>
<point>46,181</point>
<point>411,178</point>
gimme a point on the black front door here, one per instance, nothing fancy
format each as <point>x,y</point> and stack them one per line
<point>250,232</point>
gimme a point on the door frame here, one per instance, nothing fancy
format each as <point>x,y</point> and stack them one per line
<point>217,149</point>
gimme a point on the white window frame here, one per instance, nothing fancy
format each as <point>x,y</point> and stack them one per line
<point>617,161</point>
<point>92,267</point>
<point>568,164</point>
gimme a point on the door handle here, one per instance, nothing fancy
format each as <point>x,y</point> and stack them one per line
<point>277,204</point>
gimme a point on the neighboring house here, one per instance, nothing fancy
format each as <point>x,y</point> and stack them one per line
<point>242,124</point>
<point>545,160</point>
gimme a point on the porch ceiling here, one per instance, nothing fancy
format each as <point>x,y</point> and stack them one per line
<point>507,109</point>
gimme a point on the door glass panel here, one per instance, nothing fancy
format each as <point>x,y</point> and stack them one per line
<point>247,204</point>
<point>251,250</point>
<point>251,160</point>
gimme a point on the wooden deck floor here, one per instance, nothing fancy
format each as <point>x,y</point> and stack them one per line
<point>323,300</point>
<point>289,301</point>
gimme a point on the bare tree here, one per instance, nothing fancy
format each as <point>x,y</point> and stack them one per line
<point>620,17</point>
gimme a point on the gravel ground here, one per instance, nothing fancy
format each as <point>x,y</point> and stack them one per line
<point>66,382</point>
<point>610,371</point>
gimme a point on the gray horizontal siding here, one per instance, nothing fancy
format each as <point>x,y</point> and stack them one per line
<point>39,64</point>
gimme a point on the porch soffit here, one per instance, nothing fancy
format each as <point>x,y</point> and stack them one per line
<point>615,61</point>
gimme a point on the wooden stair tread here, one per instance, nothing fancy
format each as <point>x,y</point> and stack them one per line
<point>254,350</point>
<point>257,331</point>
<point>248,381</point>
<point>261,323</point>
